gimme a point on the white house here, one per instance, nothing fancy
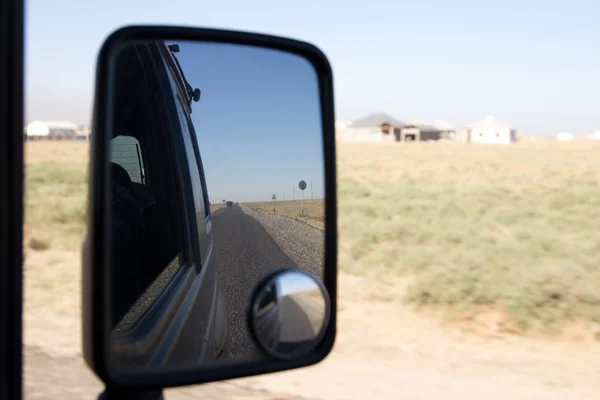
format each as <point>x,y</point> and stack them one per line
<point>360,134</point>
<point>594,136</point>
<point>51,130</point>
<point>84,132</point>
<point>447,129</point>
<point>564,137</point>
<point>374,128</point>
<point>491,130</point>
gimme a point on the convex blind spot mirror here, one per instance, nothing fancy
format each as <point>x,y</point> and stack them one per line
<point>211,245</point>
<point>290,313</point>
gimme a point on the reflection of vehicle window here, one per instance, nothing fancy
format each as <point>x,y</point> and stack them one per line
<point>126,151</point>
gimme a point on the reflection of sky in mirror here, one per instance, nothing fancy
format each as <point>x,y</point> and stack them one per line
<point>292,282</point>
<point>258,121</point>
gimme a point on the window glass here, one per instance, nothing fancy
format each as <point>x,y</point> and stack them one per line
<point>127,152</point>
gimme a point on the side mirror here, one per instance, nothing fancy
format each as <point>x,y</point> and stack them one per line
<point>179,285</point>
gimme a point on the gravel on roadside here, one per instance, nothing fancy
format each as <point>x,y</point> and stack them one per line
<point>301,242</point>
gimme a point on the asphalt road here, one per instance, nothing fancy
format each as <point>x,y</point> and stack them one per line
<point>244,254</point>
<point>307,319</point>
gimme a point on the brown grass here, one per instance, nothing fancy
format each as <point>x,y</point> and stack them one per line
<point>55,194</point>
<point>314,210</point>
<point>51,151</point>
<point>511,230</point>
<point>216,206</point>
<point>506,232</point>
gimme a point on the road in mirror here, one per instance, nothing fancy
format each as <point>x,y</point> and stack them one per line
<point>217,182</point>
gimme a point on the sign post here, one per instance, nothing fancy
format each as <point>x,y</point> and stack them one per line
<point>273,198</point>
<point>302,186</point>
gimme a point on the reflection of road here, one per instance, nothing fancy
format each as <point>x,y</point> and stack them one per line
<point>304,318</point>
<point>244,254</point>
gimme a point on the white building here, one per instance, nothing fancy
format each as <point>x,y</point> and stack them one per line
<point>360,134</point>
<point>594,136</point>
<point>447,129</point>
<point>373,128</point>
<point>51,130</point>
<point>564,137</point>
<point>84,132</point>
<point>491,130</point>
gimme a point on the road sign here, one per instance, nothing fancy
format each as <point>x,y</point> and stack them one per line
<point>302,186</point>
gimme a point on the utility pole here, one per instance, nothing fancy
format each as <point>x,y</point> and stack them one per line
<point>294,192</point>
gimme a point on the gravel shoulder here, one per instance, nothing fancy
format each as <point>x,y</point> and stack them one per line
<point>303,243</point>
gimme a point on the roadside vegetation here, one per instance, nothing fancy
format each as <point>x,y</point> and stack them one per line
<point>477,229</point>
<point>511,230</point>
<point>217,206</point>
<point>314,210</point>
<point>55,195</point>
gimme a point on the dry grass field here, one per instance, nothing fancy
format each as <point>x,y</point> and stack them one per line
<point>216,206</point>
<point>507,230</point>
<point>314,210</point>
<point>502,238</point>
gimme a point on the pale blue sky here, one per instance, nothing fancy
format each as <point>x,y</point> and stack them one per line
<point>258,121</point>
<point>296,282</point>
<point>534,64</point>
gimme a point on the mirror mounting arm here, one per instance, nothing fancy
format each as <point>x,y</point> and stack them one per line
<point>130,394</point>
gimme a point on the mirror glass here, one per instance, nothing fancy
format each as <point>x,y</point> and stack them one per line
<point>217,182</point>
<point>290,314</point>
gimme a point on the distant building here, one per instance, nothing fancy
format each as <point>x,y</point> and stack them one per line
<point>420,131</point>
<point>463,135</point>
<point>448,131</point>
<point>490,130</point>
<point>382,127</point>
<point>374,128</point>
<point>564,137</point>
<point>51,130</point>
<point>594,136</point>
<point>84,132</point>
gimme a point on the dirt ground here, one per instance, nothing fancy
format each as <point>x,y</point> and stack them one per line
<point>383,350</point>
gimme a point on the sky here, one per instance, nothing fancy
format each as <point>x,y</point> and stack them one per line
<point>296,282</point>
<point>533,64</point>
<point>257,122</point>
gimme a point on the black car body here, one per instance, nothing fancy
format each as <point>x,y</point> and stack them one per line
<point>176,314</point>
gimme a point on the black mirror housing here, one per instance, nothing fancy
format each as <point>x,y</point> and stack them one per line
<point>95,305</point>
